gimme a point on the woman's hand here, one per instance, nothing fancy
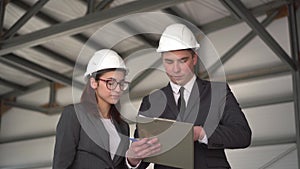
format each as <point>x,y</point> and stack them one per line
<point>141,149</point>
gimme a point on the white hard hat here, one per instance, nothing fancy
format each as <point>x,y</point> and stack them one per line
<point>177,37</point>
<point>104,59</point>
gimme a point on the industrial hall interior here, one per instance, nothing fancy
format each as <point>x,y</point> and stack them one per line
<point>45,46</point>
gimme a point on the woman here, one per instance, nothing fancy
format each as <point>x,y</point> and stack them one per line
<point>91,134</point>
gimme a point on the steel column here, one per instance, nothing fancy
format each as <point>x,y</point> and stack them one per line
<point>90,6</point>
<point>2,13</point>
<point>294,41</point>
<point>103,4</point>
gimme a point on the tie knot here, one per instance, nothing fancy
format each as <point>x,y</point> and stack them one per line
<point>181,90</point>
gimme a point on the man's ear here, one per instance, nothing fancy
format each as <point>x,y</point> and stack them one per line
<point>195,59</point>
<point>93,83</point>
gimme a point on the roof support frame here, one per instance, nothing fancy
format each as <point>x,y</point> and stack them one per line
<point>23,20</point>
<point>46,85</point>
<point>239,8</point>
<point>259,10</point>
<point>50,20</point>
<point>262,73</point>
<point>12,85</point>
<point>248,76</point>
<point>229,20</point>
<point>90,6</point>
<point>36,86</point>
<point>41,71</point>
<point>48,111</point>
<point>295,49</point>
<point>238,46</point>
<point>52,95</point>
<point>79,25</point>
<point>2,14</point>
<point>103,4</point>
<point>278,157</point>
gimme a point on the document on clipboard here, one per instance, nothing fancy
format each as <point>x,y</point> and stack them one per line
<point>175,137</point>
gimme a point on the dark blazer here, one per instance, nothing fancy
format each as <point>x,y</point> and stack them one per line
<point>211,105</point>
<point>81,138</point>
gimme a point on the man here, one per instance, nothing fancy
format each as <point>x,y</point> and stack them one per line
<point>218,120</point>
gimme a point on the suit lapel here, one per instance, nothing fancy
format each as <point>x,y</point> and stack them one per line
<point>194,102</point>
<point>171,104</point>
<point>94,128</point>
<point>124,142</point>
<point>92,125</point>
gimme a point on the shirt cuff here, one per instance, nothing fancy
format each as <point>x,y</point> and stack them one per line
<point>204,140</point>
<point>131,167</point>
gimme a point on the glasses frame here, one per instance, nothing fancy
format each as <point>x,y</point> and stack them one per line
<point>120,84</point>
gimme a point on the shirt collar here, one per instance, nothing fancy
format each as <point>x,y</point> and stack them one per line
<point>188,86</point>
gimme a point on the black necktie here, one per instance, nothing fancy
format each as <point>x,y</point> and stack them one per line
<point>181,102</point>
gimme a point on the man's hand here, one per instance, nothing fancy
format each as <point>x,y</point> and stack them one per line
<point>141,149</point>
<point>199,133</point>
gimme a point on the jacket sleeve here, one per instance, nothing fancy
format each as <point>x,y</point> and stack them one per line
<point>233,130</point>
<point>67,138</point>
<point>145,105</point>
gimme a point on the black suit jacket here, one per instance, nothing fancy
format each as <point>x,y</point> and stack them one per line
<point>211,105</point>
<point>82,141</point>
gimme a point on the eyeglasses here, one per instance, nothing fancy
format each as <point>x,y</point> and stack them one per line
<point>112,84</point>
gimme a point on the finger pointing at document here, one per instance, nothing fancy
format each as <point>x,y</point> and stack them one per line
<point>140,149</point>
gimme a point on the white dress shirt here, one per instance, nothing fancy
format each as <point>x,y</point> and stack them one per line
<point>186,94</point>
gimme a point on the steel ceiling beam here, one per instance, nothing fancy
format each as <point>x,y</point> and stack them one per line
<point>278,157</point>
<point>103,4</point>
<point>295,49</point>
<point>90,6</point>
<point>81,24</point>
<point>267,102</point>
<point>256,11</point>
<point>2,14</point>
<point>149,41</point>
<point>48,111</point>
<point>229,20</point>
<point>21,69</point>
<point>262,73</point>
<point>31,88</point>
<point>259,10</point>
<point>41,71</point>
<point>242,11</point>
<point>137,34</point>
<point>12,85</point>
<point>50,20</point>
<point>23,20</point>
<point>58,57</point>
<point>247,76</point>
<point>238,46</point>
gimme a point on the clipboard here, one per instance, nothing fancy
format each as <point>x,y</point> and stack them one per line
<point>175,137</point>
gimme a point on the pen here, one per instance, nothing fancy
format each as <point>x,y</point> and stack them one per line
<point>133,139</point>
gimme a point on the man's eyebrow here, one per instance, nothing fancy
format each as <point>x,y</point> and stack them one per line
<point>186,57</point>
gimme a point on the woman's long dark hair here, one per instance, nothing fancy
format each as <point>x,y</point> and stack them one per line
<point>88,97</point>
